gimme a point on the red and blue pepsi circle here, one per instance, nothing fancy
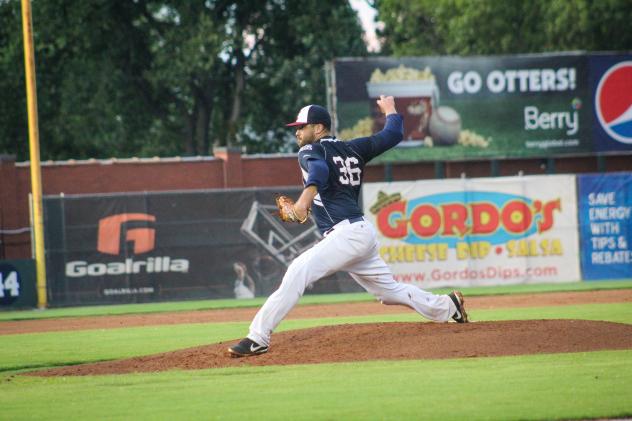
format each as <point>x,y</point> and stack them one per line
<point>613,102</point>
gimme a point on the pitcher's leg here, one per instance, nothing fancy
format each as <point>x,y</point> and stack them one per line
<point>279,304</point>
<point>337,250</point>
<point>375,276</point>
<point>438,308</point>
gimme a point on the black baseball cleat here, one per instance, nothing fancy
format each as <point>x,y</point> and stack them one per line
<point>247,348</point>
<point>460,316</point>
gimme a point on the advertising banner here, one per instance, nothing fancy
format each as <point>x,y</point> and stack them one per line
<point>18,284</point>
<point>611,82</point>
<point>474,232</point>
<point>489,107</point>
<point>605,223</point>
<point>168,246</point>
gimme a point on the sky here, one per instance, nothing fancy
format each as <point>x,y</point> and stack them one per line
<point>367,14</point>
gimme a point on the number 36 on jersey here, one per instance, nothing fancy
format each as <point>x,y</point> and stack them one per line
<point>348,169</point>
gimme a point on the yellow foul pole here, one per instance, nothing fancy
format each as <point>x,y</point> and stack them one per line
<point>36,178</point>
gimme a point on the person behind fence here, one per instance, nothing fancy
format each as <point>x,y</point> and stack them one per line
<point>244,284</point>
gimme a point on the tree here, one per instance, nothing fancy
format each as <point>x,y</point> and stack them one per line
<point>87,103</point>
<point>290,72</point>
<point>165,78</point>
<point>13,122</point>
<point>466,27</point>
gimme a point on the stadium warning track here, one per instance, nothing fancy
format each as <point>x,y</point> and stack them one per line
<point>302,312</point>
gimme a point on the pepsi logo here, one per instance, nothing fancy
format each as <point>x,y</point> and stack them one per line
<point>613,102</point>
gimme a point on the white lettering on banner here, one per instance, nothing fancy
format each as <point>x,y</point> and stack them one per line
<point>551,143</point>
<point>514,80</point>
<point>607,213</point>
<point>610,212</point>
<point>611,257</point>
<point>128,291</point>
<point>609,246</point>
<point>9,283</point>
<point>490,272</point>
<point>602,199</point>
<point>469,82</point>
<point>605,228</point>
<point>80,268</point>
<point>536,120</point>
<point>599,243</point>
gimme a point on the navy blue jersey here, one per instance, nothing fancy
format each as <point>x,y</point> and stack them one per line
<point>337,197</point>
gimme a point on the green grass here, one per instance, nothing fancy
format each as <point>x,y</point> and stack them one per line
<point>109,310</point>
<point>535,387</point>
<point>72,347</point>
<point>307,299</point>
<point>564,386</point>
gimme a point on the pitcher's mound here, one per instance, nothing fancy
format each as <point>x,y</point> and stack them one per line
<point>384,341</point>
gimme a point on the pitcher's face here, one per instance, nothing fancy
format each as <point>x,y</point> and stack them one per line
<point>305,135</point>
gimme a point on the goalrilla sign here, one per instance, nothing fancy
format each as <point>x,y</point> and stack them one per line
<point>80,268</point>
<point>115,232</point>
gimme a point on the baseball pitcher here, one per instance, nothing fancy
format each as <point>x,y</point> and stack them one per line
<point>332,176</point>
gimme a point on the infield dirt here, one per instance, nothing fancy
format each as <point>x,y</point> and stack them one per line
<point>362,342</point>
<point>384,341</point>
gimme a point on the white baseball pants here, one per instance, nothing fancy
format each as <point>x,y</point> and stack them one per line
<point>352,248</point>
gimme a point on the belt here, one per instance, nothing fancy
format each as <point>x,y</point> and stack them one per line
<point>344,222</point>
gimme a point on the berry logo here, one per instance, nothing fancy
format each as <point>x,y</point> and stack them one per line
<point>613,102</point>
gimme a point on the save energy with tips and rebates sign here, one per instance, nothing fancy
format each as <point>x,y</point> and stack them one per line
<point>467,232</point>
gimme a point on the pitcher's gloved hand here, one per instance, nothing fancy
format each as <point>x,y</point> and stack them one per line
<point>287,213</point>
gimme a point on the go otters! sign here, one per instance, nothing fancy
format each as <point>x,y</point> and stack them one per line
<point>478,231</point>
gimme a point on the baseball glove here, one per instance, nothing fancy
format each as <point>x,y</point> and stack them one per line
<point>287,212</point>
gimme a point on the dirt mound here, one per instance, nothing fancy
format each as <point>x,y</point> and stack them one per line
<point>384,341</point>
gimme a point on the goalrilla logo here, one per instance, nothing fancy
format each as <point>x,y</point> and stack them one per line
<point>109,240</point>
<point>115,232</point>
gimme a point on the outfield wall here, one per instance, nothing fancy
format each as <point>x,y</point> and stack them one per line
<point>229,169</point>
<point>157,246</point>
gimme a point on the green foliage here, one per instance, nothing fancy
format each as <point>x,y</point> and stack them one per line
<point>165,78</point>
<point>292,73</point>
<point>468,27</point>
<point>13,122</point>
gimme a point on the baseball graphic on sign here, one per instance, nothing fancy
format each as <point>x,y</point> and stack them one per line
<point>445,126</point>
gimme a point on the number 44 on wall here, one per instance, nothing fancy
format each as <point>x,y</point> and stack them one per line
<point>10,284</point>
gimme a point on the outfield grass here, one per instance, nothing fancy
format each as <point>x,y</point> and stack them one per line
<point>566,386</point>
<point>307,299</point>
<point>539,387</point>
<point>73,347</point>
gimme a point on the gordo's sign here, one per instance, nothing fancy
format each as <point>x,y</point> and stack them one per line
<point>479,231</point>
